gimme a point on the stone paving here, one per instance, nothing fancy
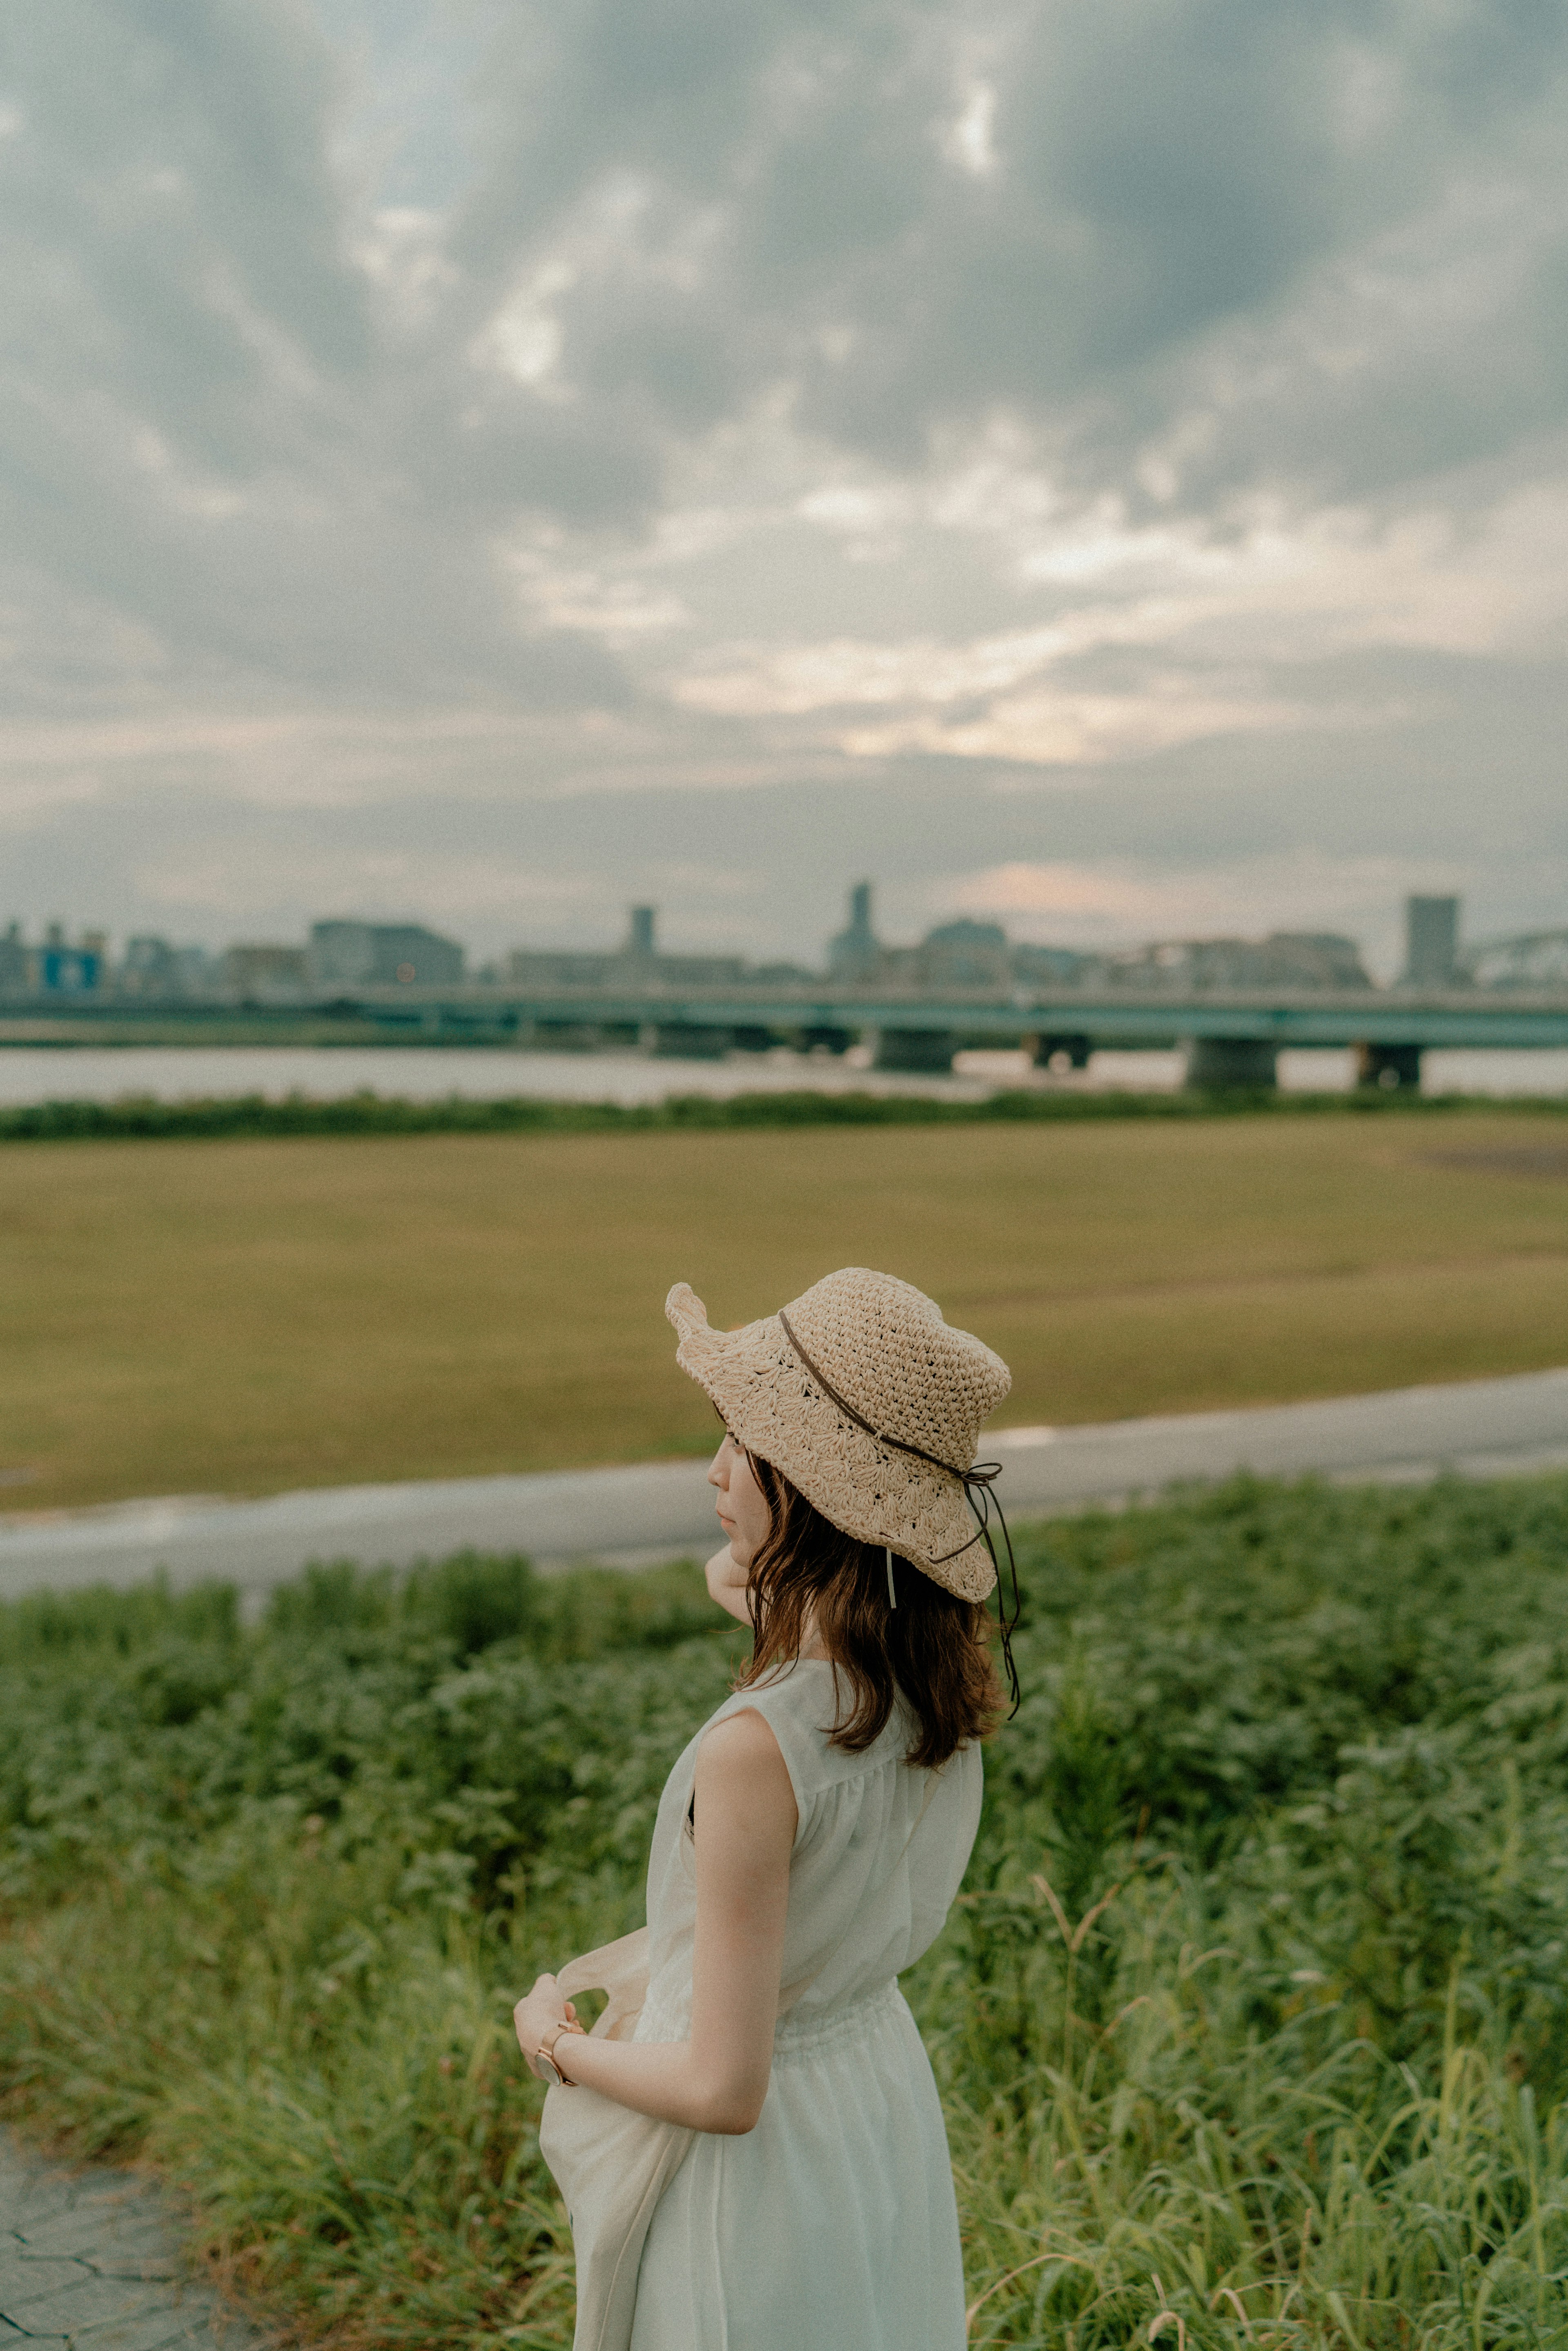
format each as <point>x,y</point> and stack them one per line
<point>90,2258</point>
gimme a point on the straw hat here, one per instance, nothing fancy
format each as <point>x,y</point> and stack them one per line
<point>869,1403</point>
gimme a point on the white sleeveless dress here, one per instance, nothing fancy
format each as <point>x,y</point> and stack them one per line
<point>831,2226</point>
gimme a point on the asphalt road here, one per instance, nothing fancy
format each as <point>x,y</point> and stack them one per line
<point>632,1517</point>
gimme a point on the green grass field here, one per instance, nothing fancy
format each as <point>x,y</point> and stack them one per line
<point>1251,2025</point>
<point>245,1315</point>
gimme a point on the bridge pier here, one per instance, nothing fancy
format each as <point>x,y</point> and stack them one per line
<point>1229,1064</point>
<point>823,1039</point>
<point>690,1041</point>
<point>566,1036</point>
<point>1393,1067</point>
<point>928,1051</point>
<point>1057,1052</point>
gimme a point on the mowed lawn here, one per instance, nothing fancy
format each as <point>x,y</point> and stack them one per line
<point>240,1317</point>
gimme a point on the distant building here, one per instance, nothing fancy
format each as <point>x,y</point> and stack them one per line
<point>855,953</point>
<point>960,955</point>
<point>344,954</point>
<point>548,968</point>
<point>1330,952</point>
<point>1301,960</point>
<point>640,959</point>
<point>69,971</point>
<point>636,964</point>
<point>965,954</point>
<point>697,971</point>
<point>894,968</point>
<point>56,966</point>
<point>1431,942</point>
<point>1051,967</point>
<point>264,975</point>
<point>61,969</point>
<point>16,962</point>
<point>640,940</point>
<point>149,966</point>
<point>1313,959</point>
<point>195,969</point>
<point>781,975</point>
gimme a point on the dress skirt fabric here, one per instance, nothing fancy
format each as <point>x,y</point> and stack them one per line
<point>831,2225</point>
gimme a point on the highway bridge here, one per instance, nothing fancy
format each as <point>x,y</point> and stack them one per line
<point>1231,1037</point>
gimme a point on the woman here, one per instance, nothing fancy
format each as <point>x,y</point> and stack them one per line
<point>812,1837</point>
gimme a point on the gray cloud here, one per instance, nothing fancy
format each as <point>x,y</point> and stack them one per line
<point>1156,178</point>
<point>208,423</point>
<point>206,394</point>
<point>460,390</point>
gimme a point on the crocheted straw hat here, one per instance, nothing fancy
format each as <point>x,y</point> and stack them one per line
<point>868,1402</point>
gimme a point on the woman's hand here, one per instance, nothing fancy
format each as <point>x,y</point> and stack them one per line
<point>726,1580</point>
<point>744,1514</point>
<point>539,2017</point>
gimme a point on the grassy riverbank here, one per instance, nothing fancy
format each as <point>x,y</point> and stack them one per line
<point>141,1118</point>
<point>250,1313</point>
<point>1255,2010</point>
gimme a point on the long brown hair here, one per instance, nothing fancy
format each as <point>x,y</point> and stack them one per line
<point>933,1647</point>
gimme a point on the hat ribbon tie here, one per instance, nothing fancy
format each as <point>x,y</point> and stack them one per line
<point>977,1481</point>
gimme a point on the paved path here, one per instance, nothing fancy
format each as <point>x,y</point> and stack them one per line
<point>631,1517</point>
<point>89,2259</point>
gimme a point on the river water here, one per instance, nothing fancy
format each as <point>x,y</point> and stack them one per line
<point>36,1073</point>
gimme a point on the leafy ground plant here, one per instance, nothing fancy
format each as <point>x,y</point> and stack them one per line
<point>1252,2025</point>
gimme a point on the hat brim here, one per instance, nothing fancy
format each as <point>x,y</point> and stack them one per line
<point>874,1491</point>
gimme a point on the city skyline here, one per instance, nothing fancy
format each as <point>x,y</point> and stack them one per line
<point>352,952</point>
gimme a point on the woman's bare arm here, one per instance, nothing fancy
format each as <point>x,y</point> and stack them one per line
<point>716,2081</point>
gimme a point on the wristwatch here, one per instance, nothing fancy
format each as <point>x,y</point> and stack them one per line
<point>544,2062</point>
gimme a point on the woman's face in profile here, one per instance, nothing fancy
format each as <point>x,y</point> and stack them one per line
<point>743,1511</point>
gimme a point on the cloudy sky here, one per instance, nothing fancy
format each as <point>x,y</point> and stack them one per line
<point>1100,463</point>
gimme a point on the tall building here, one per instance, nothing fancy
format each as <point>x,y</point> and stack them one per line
<point>382,955</point>
<point>16,962</point>
<point>854,954</point>
<point>1431,942</point>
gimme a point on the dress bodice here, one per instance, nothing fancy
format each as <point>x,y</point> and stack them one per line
<point>880,1847</point>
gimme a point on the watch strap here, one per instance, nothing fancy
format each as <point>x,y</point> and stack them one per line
<point>545,2055</point>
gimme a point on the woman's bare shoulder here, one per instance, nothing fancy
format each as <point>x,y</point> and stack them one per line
<point>742,1780</point>
<point>744,1741</point>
